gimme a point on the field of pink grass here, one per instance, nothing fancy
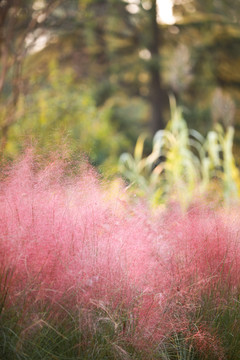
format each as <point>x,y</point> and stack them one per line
<point>62,236</point>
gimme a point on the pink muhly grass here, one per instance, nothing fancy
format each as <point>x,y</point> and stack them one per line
<point>207,249</point>
<point>207,344</point>
<point>61,236</point>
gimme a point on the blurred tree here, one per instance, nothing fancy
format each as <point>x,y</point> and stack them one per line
<point>125,58</point>
<point>20,22</point>
<point>157,92</point>
<point>210,32</point>
<point>146,46</point>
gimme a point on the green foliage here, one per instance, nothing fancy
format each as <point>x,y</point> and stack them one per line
<point>177,347</point>
<point>60,114</point>
<point>183,162</point>
<point>45,330</point>
<point>213,329</point>
<point>224,319</point>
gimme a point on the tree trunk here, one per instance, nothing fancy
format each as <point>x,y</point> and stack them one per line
<point>158,96</point>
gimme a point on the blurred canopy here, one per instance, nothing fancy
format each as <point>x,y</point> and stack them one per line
<point>96,73</point>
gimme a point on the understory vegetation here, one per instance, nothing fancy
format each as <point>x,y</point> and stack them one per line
<point>88,273</point>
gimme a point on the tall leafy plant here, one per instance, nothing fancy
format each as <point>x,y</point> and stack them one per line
<point>183,162</point>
